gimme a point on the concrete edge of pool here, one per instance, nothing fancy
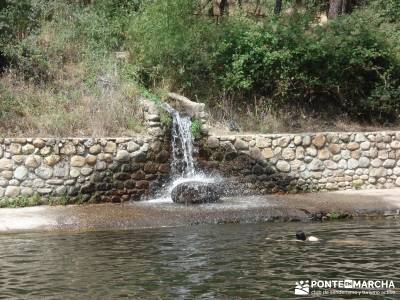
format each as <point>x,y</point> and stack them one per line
<point>252,209</point>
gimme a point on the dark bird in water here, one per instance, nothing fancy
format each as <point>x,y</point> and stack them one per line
<point>232,126</point>
<point>301,236</point>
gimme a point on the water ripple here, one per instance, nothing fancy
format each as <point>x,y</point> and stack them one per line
<point>202,262</point>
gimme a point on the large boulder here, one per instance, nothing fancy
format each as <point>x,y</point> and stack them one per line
<point>195,192</point>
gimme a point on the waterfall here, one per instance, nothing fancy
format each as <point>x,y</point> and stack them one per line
<point>182,144</point>
<point>183,167</point>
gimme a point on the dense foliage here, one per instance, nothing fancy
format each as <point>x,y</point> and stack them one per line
<point>347,66</point>
<point>350,65</point>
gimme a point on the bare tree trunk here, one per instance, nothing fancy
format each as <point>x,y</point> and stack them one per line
<point>335,8</point>
<point>216,9</point>
<point>231,7</point>
<point>278,7</point>
<point>340,7</point>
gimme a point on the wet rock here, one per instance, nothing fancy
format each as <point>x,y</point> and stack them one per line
<point>212,142</point>
<point>164,168</point>
<point>139,156</point>
<point>88,188</point>
<point>122,176</point>
<point>150,168</point>
<point>258,170</point>
<point>163,156</point>
<point>194,192</point>
<point>139,175</point>
<point>142,184</point>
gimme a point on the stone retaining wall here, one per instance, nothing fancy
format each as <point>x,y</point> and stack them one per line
<point>307,162</point>
<point>87,169</point>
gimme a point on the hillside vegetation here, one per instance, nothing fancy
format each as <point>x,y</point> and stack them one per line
<point>78,67</point>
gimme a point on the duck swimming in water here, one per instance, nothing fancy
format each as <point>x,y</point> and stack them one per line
<point>301,236</point>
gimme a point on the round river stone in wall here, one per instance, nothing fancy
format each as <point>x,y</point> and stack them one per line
<point>20,173</point>
<point>319,140</point>
<point>283,166</point>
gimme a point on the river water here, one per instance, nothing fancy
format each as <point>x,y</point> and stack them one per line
<point>234,261</point>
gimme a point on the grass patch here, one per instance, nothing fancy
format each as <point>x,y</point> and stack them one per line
<point>20,202</point>
<point>337,215</point>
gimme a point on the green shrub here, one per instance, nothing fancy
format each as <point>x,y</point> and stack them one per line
<point>196,128</point>
<point>171,44</point>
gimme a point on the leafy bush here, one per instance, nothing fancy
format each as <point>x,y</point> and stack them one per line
<point>347,65</point>
<point>170,44</point>
<point>195,128</point>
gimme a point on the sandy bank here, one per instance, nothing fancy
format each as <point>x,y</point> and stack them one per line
<point>136,215</point>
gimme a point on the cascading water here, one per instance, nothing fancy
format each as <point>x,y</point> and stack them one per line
<point>183,166</point>
<point>182,144</point>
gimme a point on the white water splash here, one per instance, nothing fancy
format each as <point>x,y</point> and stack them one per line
<point>183,163</point>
